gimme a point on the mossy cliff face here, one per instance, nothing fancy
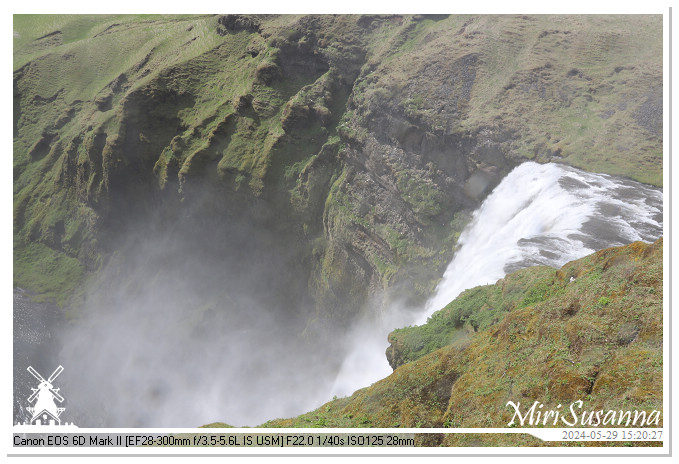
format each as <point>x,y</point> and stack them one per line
<point>352,147</point>
<point>535,335</point>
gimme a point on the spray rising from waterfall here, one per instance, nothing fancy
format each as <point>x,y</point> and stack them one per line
<point>193,325</point>
<point>538,215</point>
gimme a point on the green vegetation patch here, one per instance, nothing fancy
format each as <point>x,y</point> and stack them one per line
<point>556,343</point>
<point>51,274</point>
<point>472,311</point>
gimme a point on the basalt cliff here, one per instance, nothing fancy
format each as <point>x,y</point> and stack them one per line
<point>334,159</point>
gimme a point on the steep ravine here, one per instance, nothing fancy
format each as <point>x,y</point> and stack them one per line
<point>360,137</point>
<point>291,175</point>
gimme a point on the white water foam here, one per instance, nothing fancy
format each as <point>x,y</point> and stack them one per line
<point>539,214</point>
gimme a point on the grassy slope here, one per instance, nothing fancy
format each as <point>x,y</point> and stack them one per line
<point>101,88</point>
<point>582,90</point>
<point>589,78</point>
<point>586,89</point>
<point>90,90</point>
<point>57,121</point>
<point>598,339</point>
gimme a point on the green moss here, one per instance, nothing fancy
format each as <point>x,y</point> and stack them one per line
<point>217,425</point>
<point>424,198</point>
<point>475,309</point>
<point>556,350</point>
<point>537,293</point>
<point>51,274</point>
<point>187,101</point>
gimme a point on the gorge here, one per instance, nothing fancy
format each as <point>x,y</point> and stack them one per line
<point>226,215</point>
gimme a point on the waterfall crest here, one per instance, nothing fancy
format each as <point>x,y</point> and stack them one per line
<point>540,214</point>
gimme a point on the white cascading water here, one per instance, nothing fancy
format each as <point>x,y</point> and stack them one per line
<point>539,214</point>
<point>546,214</point>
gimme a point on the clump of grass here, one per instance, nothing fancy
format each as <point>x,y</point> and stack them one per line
<point>540,352</point>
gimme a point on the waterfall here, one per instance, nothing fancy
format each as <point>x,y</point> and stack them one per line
<point>166,371</point>
<point>546,214</point>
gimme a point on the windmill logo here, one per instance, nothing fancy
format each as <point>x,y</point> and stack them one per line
<point>45,411</point>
